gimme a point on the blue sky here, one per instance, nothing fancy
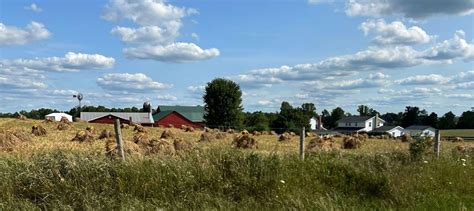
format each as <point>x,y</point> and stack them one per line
<point>386,54</point>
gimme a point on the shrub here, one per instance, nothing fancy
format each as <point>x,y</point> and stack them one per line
<point>420,147</point>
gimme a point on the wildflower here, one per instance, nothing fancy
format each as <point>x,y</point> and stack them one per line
<point>282,181</point>
<point>450,183</point>
<point>425,161</point>
<point>463,164</point>
<point>463,160</point>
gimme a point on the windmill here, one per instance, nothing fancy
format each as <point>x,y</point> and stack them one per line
<point>79,97</point>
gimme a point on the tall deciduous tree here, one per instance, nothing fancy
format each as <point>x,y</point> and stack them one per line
<point>466,121</point>
<point>223,104</point>
<point>411,116</point>
<point>431,120</point>
<point>447,121</point>
<point>336,114</point>
<point>366,111</point>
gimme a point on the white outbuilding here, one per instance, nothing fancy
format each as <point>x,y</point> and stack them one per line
<point>57,116</point>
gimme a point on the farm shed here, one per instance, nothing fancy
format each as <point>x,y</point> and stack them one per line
<point>57,116</point>
<point>394,131</point>
<point>192,116</point>
<point>421,130</point>
<point>143,118</point>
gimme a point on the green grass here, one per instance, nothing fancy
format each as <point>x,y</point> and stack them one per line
<point>228,179</point>
<point>458,132</point>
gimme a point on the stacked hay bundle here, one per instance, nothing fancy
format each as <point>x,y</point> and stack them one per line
<point>310,134</point>
<point>359,137</point>
<point>167,134</point>
<point>9,138</point>
<point>141,138</point>
<point>182,145</point>
<point>285,137</point>
<point>244,141</point>
<point>406,137</point>
<point>159,146</point>
<point>351,143</point>
<point>458,139</point>
<point>265,132</point>
<point>106,134</point>
<point>326,144</point>
<point>129,148</point>
<point>65,120</point>
<point>63,126</point>
<point>38,130</point>
<point>47,121</point>
<point>124,126</point>
<point>256,133</point>
<point>206,137</point>
<point>170,126</point>
<point>139,128</point>
<point>22,117</point>
<point>186,128</point>
<point>292,133</point>
<point>220,135</point>
<point>464,150</point>
<point>83,136</point>
<point>207,130</point>
<point>77,119</point>
<point>230,131</point>
<point>273,133</point>
<point>91,129</point>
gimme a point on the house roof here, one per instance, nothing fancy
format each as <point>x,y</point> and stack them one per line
<point>347,129</point>
<point>386,128</point>
<point>357,119</point>
<point>193,113</point>
<point>138,117</point>
<point>419,127</point>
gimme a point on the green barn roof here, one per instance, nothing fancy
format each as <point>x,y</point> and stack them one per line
<point>193,113</point>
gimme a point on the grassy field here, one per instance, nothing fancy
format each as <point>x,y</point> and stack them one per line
<point>52,172</point>
<point>458,132</point>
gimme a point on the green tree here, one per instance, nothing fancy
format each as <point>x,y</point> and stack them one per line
<point>309,110</point>
<point>366,111</point>
<point>466,121</point>
<point>447,121</point>
<point>392,118</point>
<point>257,121</point>
<point>431,120</point>
<point>336,114</point>
<point>411,116</point>
<point>223,104</point>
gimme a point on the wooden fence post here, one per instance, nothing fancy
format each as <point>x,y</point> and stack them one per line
<point>302,136</point>
<point>118,139</point>
<point>130,121</point>
<point>437,142</point>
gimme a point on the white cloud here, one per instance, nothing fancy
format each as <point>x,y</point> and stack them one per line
<point>395,33</point>
<point>196,89</point>
<point>156,38</point>
<point>129,82</point>
<point>418,9</point>
<point>33,7</point>
<point>467,76</point>
<point>460,96</point>
<point>71,62</point>
<point>11,35</point>
<point>176,52</point>
<point>454,48</point>
<point>195,36</point>
<point>465,85</point>
<point>146,35</point>
<point>167,97</point>
<point>431,79</point>
<point>20,83</point>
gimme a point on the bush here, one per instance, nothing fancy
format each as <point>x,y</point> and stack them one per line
<point>420,147</point>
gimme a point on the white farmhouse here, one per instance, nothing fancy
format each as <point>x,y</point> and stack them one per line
<point>355,124</point>
<point>421,130</point>
<point>57,116</point>
<point>394,131</point>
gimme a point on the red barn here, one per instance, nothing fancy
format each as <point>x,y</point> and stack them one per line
<point>192,116</point>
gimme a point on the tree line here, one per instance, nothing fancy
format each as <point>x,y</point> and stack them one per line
<point>223,106</point>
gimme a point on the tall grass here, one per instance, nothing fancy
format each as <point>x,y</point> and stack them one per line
<point>228,179</point>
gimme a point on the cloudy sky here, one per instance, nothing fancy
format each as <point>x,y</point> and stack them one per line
<point>384,53</point>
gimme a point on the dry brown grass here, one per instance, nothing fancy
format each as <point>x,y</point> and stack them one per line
<point>168,134</point>
<point>182,144</point>
<point>124,126</point>
<point>285,137</point>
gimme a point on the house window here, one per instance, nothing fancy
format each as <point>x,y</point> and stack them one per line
<point>356,124</point>
<point>370,124</point>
